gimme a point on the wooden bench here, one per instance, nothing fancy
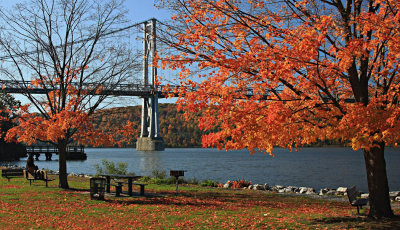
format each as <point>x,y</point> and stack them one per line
<point>141,188</point>
<point>135,183</point>
<point>352,194</point>
<point>12,172</point>
<point>38,175</point>
<point>141,193</point>
<point>118,188</point>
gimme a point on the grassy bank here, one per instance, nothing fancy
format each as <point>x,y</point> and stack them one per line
<point>37,207</point>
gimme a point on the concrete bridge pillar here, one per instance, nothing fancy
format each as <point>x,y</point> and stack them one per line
<point>150,139</point>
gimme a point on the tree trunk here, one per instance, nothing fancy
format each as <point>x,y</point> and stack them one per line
<point>378,186</point>
<point>62,162</point>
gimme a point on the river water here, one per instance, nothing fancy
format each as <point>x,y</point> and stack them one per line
<point>310,167</point>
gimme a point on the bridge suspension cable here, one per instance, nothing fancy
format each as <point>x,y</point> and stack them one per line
<point>2,58</point>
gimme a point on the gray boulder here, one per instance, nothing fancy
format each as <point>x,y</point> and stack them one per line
<point>303,190</point>
<point>310,191</point>
<point>292,189</point>
<point>287,190</point>
<point>279,187</point>
<point>323,191</point>
<point>331,192</point>
<point>341,191</point>
<point>274,189</point>
<point>394,194</point>
<point>258,187</point>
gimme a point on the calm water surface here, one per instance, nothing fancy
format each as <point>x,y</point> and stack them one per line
<point>311,167</point>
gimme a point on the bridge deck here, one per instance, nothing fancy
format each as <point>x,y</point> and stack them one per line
<point>138,90</point>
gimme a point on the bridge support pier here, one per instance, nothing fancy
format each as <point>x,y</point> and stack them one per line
<point>150,139</point>
<point>150,144</point>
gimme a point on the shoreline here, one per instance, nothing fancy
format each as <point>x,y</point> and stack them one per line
<point>339,194</point>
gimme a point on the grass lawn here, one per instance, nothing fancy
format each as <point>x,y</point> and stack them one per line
<point>37,207</point>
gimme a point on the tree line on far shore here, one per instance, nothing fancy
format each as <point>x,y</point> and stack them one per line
<point>175,131</point>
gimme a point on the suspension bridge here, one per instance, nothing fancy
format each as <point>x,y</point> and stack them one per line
<point>148,90</point>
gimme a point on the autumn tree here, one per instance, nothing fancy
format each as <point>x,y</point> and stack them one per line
<point>8,108</point>
<point>291,73</point>
<point>8,113</point>
<point>65,48</point>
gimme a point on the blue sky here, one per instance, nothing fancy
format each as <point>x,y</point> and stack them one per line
<point>140,10</point>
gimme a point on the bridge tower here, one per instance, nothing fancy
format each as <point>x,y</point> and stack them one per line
<point>150,139</point>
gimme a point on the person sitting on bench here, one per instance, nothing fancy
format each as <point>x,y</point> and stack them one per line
<point>30,165</point>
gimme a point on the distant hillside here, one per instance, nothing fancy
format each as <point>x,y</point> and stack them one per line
<point>176,132</point>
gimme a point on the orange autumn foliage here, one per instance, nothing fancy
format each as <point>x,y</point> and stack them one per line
<point>301,67</point>
<point>290,73</point>
<point>71,123</point>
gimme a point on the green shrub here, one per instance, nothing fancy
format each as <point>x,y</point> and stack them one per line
<point>145,179</point>
<point>159,181</point>
<point>193,181</point>
<point>169,180</point>
<point>172,180</point>
<point>159,175</point>
<point>109,167</point>
<point>209,183</point>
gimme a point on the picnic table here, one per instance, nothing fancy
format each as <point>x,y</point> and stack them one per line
<point>130,179</point>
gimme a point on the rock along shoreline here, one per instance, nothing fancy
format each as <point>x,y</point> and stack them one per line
<point>330,192</point>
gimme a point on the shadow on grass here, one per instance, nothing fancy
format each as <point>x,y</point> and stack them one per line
<point>194,199</point>
<point>77,190</point>
<point>182,198</point>
<point>160,200</point>
<point>360,222</point>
